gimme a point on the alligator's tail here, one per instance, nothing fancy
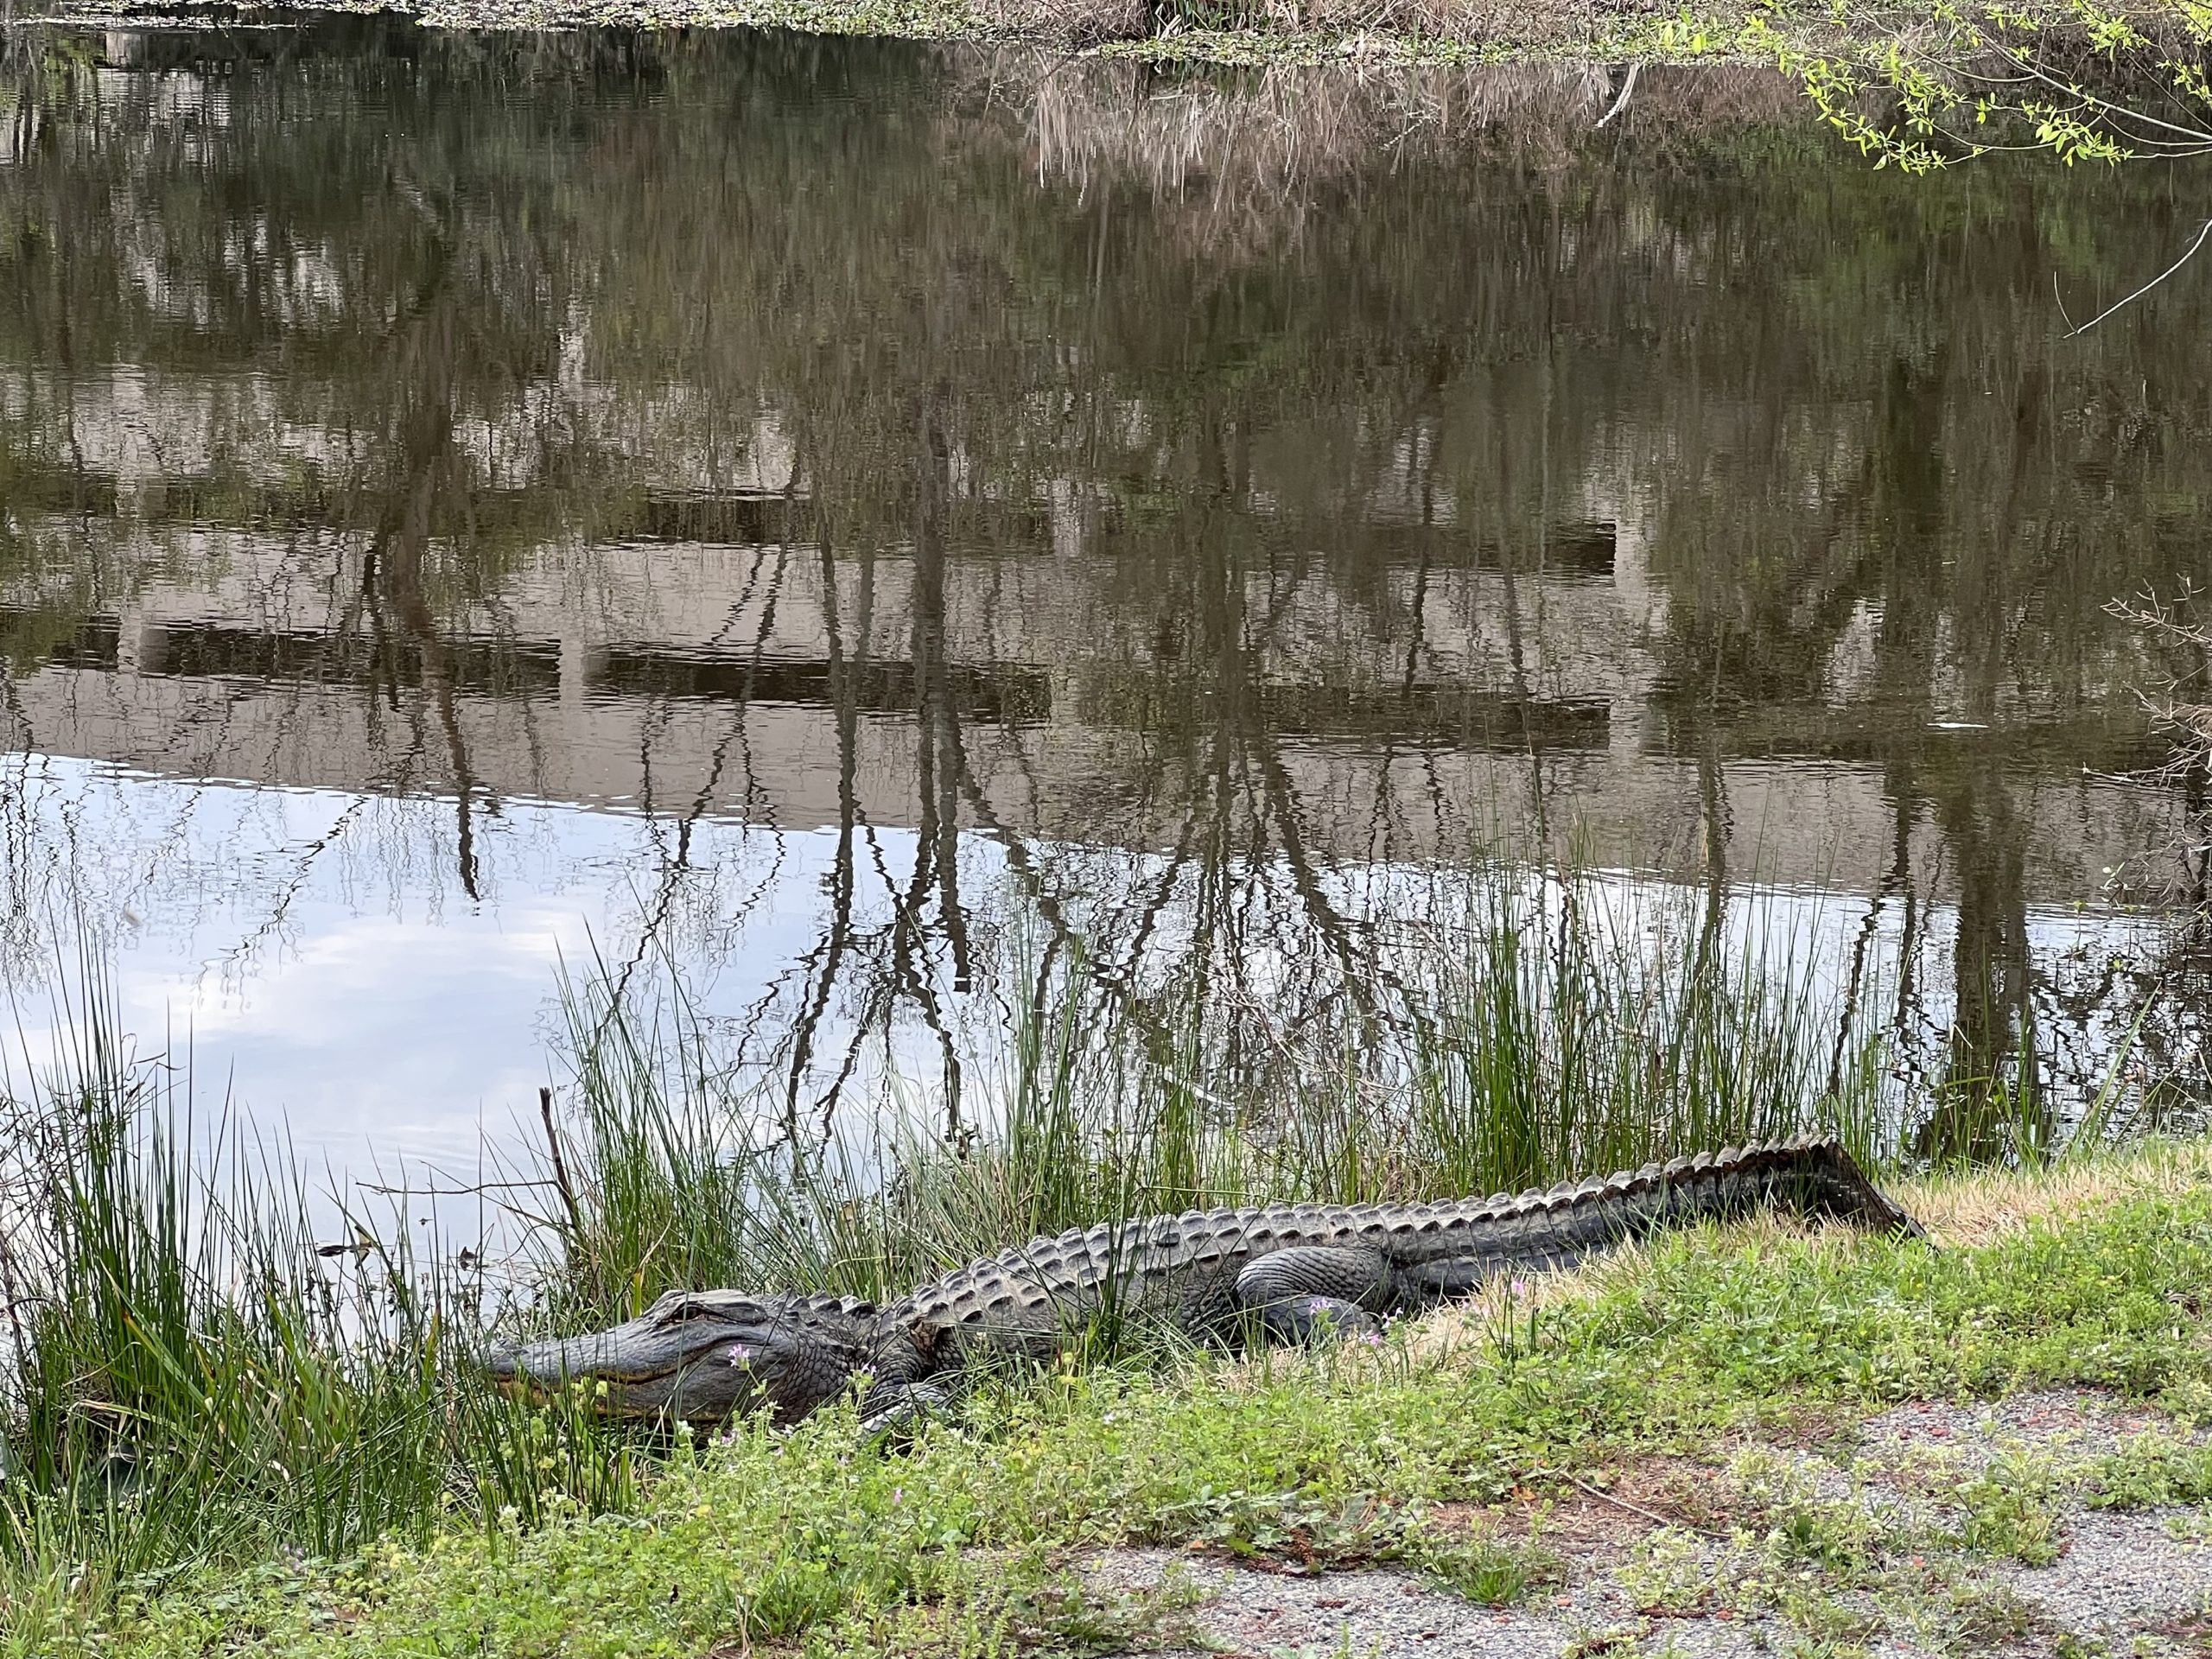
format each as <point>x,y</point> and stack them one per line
<point>1813,1176</point>
<point>1810,1176</point>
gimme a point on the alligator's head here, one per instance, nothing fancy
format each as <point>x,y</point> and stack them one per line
<point>704,1356</point>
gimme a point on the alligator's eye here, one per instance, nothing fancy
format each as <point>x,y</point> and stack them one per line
<point>691,1313</point>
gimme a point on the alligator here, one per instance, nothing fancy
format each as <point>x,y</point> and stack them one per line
<point>1280,1272</point>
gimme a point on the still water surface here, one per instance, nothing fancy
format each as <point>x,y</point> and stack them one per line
<point>825,522</point>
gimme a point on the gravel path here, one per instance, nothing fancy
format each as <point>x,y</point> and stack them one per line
<point>1358,1613</point>
<point>1714,1581</point>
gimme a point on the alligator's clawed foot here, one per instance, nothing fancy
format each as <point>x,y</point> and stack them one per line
<point>1316,1321</point>
<point>896,1412</point>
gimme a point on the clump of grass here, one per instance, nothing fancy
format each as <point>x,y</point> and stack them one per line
<point>1573,1032</point>
<point>2151,1472</point>
<point>1487,1570</point>
<point>2011,1508</point>
<point>193,1380</point>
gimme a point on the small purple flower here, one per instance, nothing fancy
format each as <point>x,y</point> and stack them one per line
<point>1519,1288</point>
<point>739,1355</point>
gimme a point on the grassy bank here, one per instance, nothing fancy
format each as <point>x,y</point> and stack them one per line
<point>1310,31</point>
<point>204,1381</point>
<point>1429,1453</point>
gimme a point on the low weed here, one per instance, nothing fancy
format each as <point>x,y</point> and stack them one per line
<point>1800,1526</point>
<point>1057,1612</point>
<point>1620,1640</point>
<point>1978,1616</point>
<point>2012,1509</point>
<point>2151,1472</point>
<point>1820,1625</point>
<point>1676,1573</point>
<point>1487,1570</point>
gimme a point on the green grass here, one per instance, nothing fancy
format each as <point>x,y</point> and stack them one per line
<point>192,1383</point>
<point>1338,1458</point>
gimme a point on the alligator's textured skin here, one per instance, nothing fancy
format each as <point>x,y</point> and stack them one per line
<point>1283,1270</point>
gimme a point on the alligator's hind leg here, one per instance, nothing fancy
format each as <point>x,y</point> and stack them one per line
<point>1454,1277</point>
<point>1309,1290</point>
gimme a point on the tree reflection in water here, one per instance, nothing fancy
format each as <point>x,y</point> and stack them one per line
<point>1156,527</point>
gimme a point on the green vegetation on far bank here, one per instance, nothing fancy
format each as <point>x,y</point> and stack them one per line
<point>1705,1347</point>
<point>1917,87</point>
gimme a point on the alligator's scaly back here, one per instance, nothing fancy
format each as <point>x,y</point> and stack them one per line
<point>1184,1265</point>
<point>1560,1225</point>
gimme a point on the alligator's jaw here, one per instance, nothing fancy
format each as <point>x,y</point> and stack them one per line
<point>633,1370</point>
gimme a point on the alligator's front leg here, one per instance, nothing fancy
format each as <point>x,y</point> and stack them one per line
<point>1310,1291</point>
<point>899,1408</point>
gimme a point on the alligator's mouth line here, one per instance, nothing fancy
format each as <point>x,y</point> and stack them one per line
<point>608,1397</point>
<point>608,1387</point>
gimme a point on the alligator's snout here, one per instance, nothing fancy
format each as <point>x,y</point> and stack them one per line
<point>699,1357</point>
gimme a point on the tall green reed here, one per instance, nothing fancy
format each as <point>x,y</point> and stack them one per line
<point>192,1380</point>
<point>1537,1028</point>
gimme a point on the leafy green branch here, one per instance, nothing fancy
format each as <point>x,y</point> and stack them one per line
<point>2079,81</point>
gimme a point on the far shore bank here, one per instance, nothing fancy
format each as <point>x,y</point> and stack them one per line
<point>1916,87</point>
<point>1614,36</point>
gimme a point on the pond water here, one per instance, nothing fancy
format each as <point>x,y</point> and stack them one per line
<point>819,522</point>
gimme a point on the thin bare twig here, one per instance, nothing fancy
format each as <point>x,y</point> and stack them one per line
<point>2147,286</point>
<point>1586,1488</point>
<point>560,1166</point>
